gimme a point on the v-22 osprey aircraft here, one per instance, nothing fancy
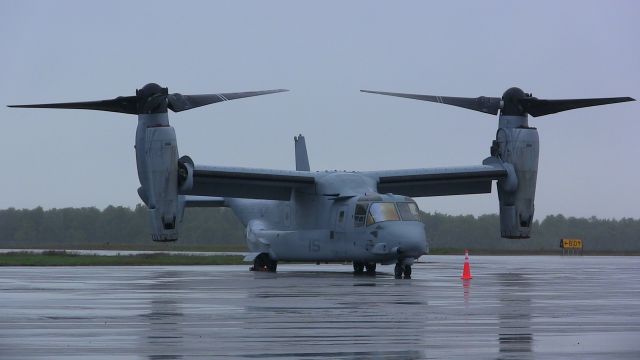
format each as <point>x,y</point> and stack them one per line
<point>366,217</point>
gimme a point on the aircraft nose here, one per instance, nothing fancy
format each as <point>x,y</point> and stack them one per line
<point>408,236</point>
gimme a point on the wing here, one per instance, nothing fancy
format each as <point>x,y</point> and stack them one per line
<point>439,181</point>
<point>247,182</point>
<point>191,201</point>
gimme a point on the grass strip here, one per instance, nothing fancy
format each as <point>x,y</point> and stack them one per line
<point>64,258</point>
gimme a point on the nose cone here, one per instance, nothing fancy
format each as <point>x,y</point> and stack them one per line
<point>409,236</point>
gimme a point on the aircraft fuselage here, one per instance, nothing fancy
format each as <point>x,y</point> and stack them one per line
<point>342,219</point>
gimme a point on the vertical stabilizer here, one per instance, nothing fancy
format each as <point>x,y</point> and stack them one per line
<point>302,160</point>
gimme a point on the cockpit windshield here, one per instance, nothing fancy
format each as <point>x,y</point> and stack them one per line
<point>409,211</point>
<point>384,211</point>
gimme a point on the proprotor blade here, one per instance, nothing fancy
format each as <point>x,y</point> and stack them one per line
<point>541,107</point>
<point>179,102</point>
<point>488,105</point>
<point>122,104</point>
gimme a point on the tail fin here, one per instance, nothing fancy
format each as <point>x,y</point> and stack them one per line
<point>302,160</point>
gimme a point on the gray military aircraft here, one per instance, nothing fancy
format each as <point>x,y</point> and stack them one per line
<point>366,217</point>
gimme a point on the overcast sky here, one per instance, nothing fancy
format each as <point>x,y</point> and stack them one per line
<point>324,52</point>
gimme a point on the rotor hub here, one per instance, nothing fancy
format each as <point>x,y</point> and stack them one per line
<point>152,99</point>
<point>511,102</point>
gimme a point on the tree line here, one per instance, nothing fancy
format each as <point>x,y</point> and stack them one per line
<point>218,226</point>
<point>483,233</point>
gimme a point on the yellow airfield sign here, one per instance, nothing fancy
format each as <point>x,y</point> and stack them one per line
<point>571,244</point>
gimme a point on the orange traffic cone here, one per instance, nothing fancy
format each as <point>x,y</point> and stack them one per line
<point>466,270</point>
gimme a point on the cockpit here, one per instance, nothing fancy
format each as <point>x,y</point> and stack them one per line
<point>370,212</point>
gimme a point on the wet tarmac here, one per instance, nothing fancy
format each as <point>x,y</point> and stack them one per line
<point>515,307</point>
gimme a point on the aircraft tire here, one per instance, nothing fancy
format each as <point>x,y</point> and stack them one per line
<point>407,271</point>
<point>398,271</point>
<point>358,267</point>
<point>371,268</point>
<point>264,262</point>
<point>272,265</point>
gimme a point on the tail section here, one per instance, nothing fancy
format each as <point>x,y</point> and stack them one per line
<point>302,160</point>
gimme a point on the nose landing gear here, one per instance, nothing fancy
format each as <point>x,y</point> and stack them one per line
<point>264,262</point>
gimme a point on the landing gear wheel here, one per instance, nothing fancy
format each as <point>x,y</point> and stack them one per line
<point>272,266</point>
<point>358,267</point>
<point>399,269</point>
<point>263,262</point>
<point>371,268</point>
<point>407,271</point>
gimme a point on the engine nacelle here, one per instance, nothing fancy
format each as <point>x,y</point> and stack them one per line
<point>161,152</point>
<point>157,160</point>
<point>517,145</point>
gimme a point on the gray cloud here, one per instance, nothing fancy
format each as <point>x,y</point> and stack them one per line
<point>324,52</point>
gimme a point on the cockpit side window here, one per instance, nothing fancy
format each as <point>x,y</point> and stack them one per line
<point>370,220</point>
<point>382,211</point>
<point>408,211</point>
<point>414,210</point>
<point>360,214</point>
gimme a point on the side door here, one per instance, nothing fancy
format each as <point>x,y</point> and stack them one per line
<point>360,239</point>
<point>338,236</point>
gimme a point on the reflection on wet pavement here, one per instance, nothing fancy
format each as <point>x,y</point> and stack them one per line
<point>514,317</point>
<point>514,308</point>
<point>164,318</point>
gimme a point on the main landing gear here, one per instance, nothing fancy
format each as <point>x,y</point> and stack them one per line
<point>264,262</point>
<point>402,269</point>
<point>359,268</point>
